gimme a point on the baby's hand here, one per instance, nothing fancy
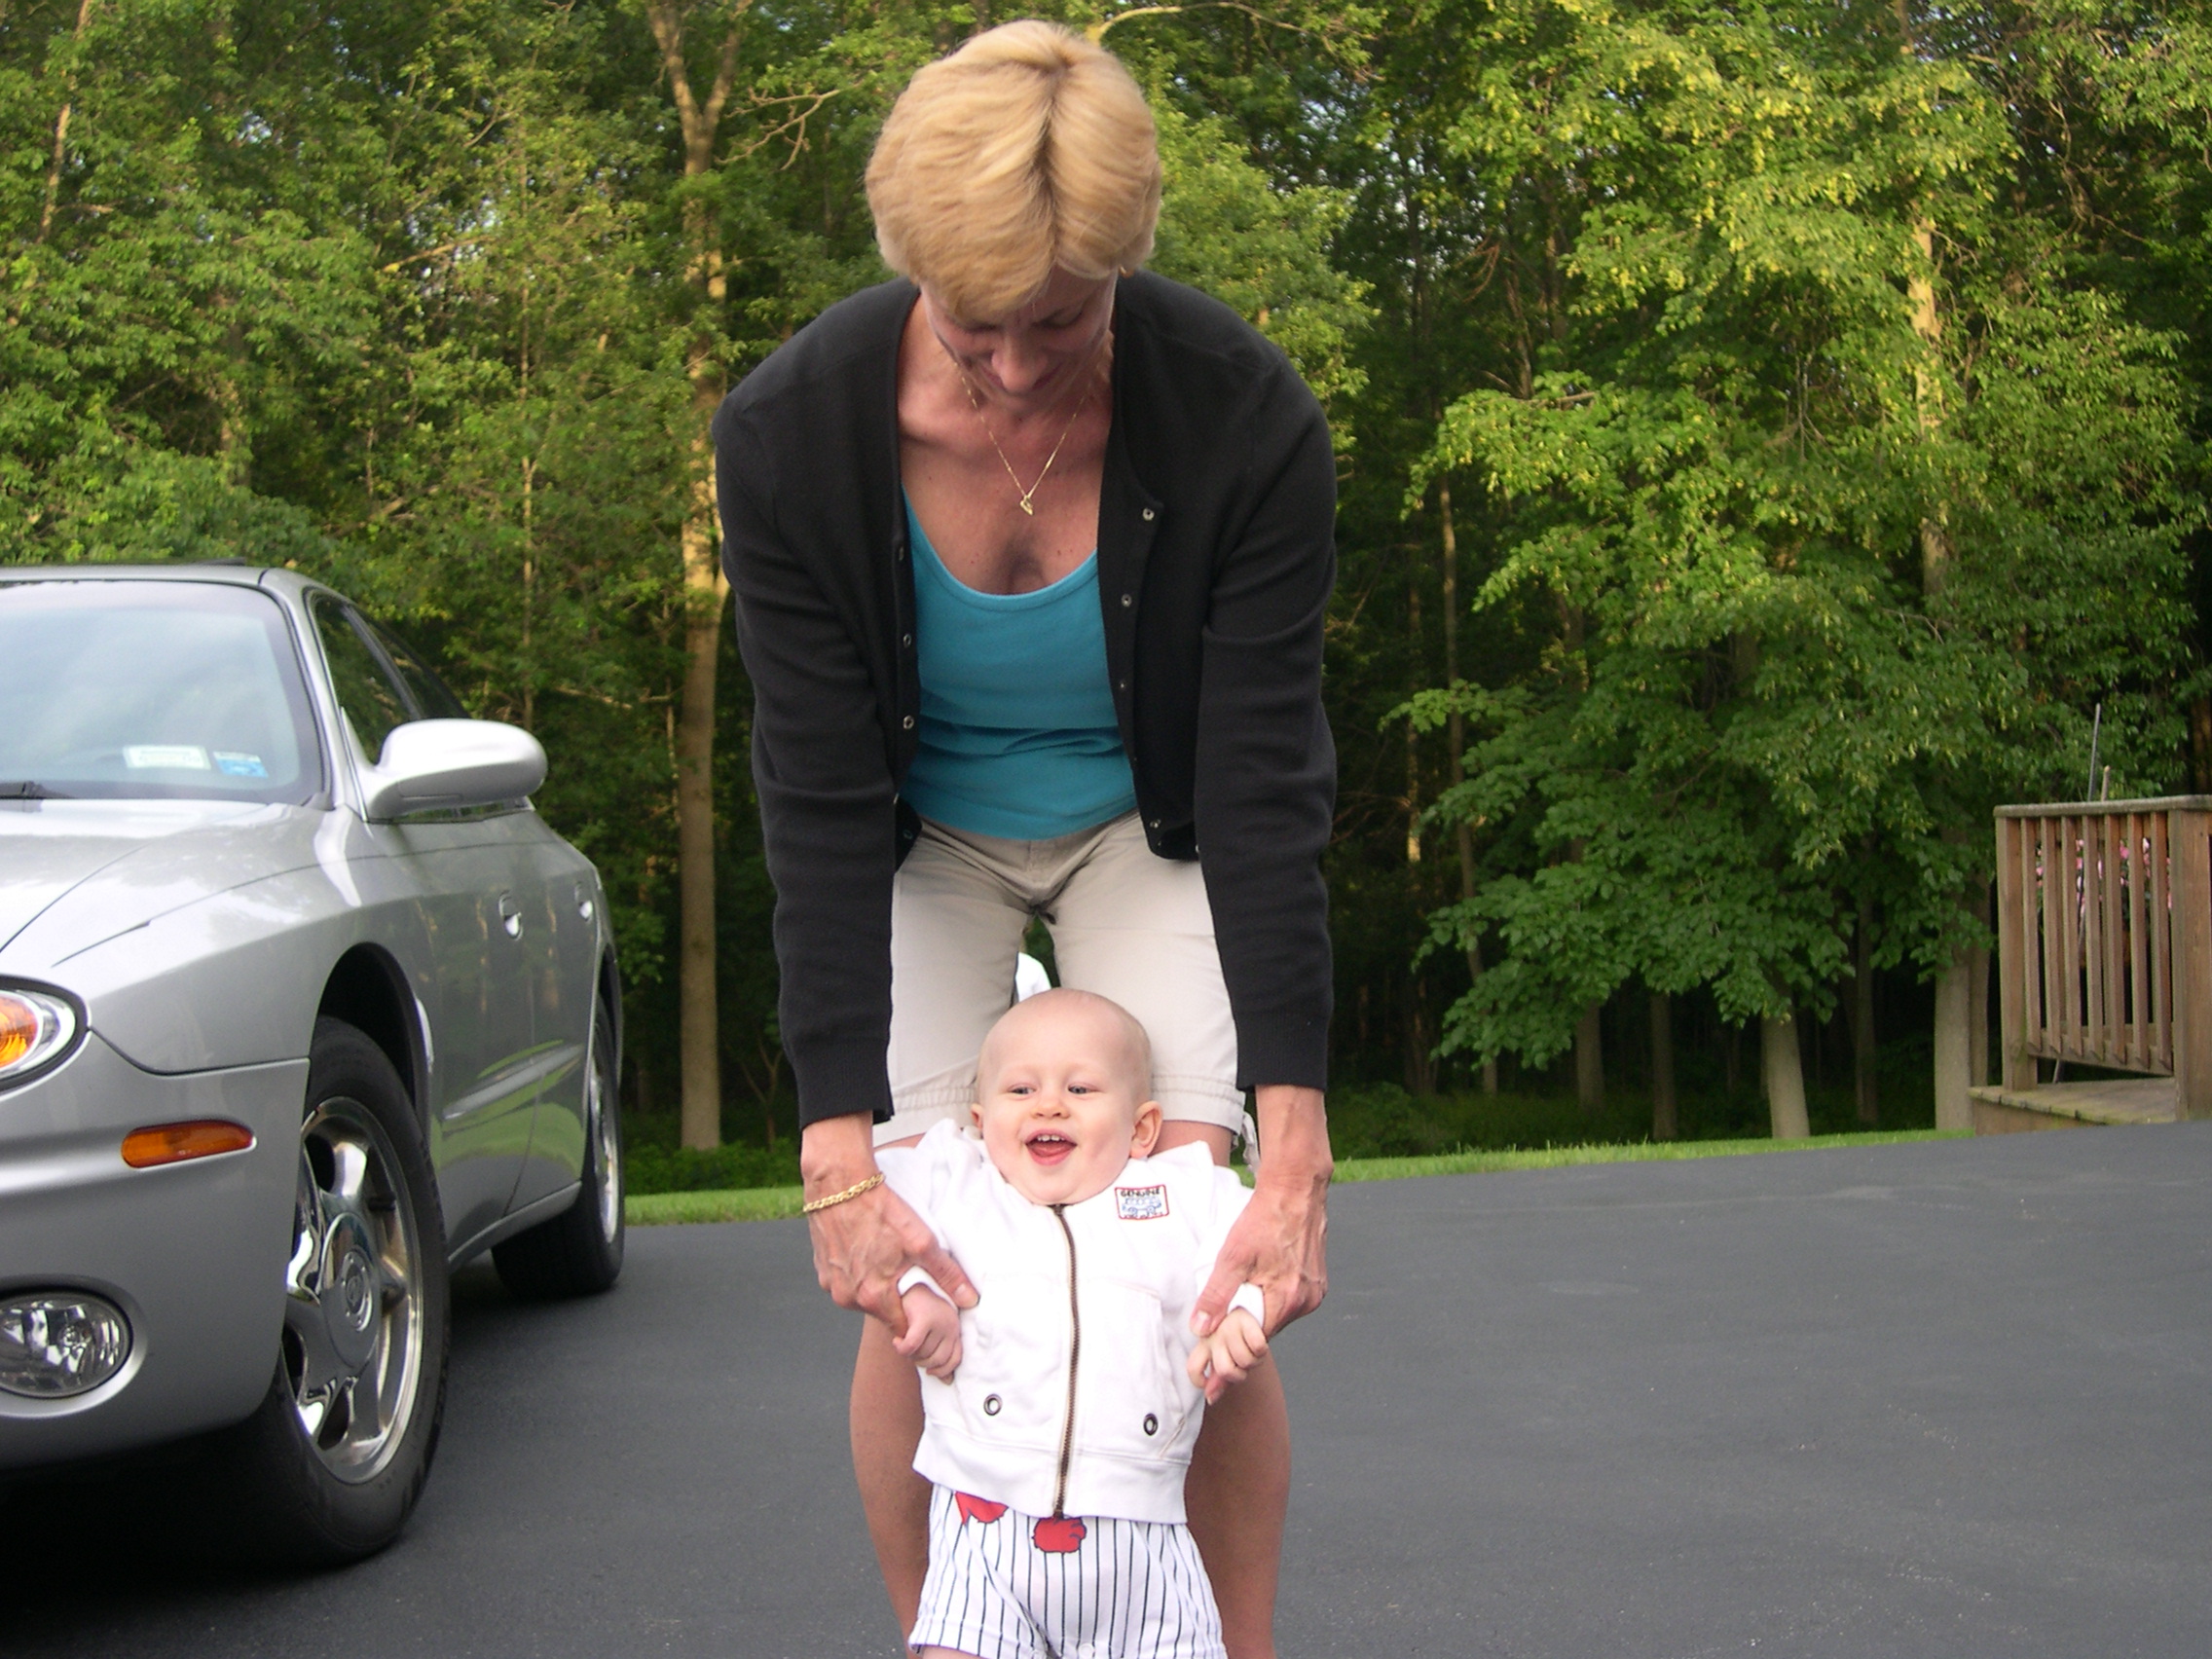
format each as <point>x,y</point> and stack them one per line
<point>933,1332</point>
<point>1227,1355</point>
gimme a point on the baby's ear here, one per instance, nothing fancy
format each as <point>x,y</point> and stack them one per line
<point>975,1116</point>
<point>1146,1134</point>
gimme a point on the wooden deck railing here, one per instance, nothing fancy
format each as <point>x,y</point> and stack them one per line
<point>2104,936</point>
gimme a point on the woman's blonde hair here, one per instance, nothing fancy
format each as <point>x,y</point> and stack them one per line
<point>1028,148</point>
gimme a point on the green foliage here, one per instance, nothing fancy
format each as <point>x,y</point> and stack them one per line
<point>1702,322</point>
<point>1851,499</point>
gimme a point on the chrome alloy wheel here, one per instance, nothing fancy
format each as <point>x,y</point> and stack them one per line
<point>353,1317</point>
<point>606,1154</point>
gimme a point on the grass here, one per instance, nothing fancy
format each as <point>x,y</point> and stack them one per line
<point>1472,1162</point>
<point>772,1203</point>
<point>741,1203</point>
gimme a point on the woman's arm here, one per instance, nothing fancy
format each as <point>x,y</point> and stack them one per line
<point>862,1247</point>
<point>829,830</point>
<point>1264,804</point>
<point>822,775</point>
<point>1264,789</point>
<point>1280,1242</point>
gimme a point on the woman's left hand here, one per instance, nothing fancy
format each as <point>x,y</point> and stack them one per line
<point>1280,1242</point>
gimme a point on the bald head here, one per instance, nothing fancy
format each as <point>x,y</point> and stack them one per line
<point>1073,1009</point>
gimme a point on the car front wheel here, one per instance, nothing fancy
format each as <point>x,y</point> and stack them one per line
<point>330,1465</point>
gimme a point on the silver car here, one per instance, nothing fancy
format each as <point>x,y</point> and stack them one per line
<point>301,1006</point>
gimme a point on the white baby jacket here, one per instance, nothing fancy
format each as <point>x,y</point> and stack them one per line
<point>1083,1309</point>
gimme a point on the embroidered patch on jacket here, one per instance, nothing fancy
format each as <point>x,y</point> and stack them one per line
<point>1140,1203</point>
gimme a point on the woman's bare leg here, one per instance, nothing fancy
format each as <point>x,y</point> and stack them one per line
<point>885,1427</point>
<point>1239,1490</point>
<point>1237,1495</point>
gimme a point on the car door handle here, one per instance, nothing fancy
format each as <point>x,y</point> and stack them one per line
<point>510,916</point>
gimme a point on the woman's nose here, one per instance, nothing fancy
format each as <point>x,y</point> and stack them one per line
<point>1020,366</point>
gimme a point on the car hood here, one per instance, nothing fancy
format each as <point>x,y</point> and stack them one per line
<point>101,867</point>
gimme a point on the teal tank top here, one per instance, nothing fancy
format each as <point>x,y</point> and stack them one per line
<point>1017,735</point>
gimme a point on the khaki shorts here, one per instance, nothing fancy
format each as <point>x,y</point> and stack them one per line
<point>1125,923</point>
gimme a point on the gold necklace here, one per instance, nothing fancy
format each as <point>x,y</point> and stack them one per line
<point>1025,495</point>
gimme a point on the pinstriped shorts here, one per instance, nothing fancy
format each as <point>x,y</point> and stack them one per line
<point>1129,1590</point>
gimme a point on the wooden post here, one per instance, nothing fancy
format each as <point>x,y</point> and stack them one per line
<point>2018,1066</point>
<point>2191,841</point>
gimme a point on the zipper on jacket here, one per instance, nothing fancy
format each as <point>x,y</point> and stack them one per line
<point>1075,1353</point>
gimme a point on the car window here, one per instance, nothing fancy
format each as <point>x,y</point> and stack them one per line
<point>429,692</point>
<point>367,694</point>
<point>152,689</point>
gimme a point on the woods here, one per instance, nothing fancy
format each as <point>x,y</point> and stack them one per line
<point>1769,438</point>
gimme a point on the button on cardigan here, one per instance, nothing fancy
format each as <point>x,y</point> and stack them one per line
<point>1216,541</point>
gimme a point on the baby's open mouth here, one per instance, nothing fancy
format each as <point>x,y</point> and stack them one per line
<point>1049,1147</point>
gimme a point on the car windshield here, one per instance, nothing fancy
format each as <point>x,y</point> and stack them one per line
<point>129,689</point>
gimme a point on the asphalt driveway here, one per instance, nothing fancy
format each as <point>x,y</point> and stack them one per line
<point>1948,1398</point>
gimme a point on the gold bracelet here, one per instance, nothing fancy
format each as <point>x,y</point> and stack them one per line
<point>846,1197</point>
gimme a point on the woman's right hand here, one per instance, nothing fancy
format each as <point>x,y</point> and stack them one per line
<point>863,1246</point>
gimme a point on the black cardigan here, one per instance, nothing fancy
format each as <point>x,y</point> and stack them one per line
<point>1216,554</point>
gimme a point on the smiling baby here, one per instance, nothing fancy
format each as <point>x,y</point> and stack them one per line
<point>1061,1409</point>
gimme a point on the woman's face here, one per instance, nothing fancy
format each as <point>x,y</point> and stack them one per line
<point>1027,362</point>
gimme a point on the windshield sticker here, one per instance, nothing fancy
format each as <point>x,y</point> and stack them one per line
<point>232,764</point>
<point>173,757</point>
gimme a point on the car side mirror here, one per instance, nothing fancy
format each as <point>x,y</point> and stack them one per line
<point>428,765</point>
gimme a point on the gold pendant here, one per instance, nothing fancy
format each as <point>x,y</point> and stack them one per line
<point>1027,509</point>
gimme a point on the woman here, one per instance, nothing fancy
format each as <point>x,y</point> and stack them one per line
<point>1031,555</point>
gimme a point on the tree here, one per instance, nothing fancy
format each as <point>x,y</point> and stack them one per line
<point>1725,461</point>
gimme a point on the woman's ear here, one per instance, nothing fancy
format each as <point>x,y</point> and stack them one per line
<point>1146,1135</point>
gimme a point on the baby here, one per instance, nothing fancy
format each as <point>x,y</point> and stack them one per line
<point>1060,1410</point>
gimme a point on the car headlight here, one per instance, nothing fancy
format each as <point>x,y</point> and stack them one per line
<point>37,1030</point>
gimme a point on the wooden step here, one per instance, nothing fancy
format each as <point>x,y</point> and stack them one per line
<point>2075,1105</point>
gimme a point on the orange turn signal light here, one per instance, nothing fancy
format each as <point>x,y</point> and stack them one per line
<point>174,1143</point>
<point>18,1030</point>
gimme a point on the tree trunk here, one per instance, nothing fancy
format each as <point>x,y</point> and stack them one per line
<point>1590,1061</point>
<point>704,586</point>
<point>1412,738</point>
<point>1954,1044</point>
<point>1456,738</point>
<point>1954,986</point>
<point>699,1034</point>
<point>1664,1126</point>
<point>61,132</point>
<point>1863,1050</point>
<point>1785,1072</point>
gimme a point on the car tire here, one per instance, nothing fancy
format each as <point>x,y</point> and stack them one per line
<point>330,1465</point>
<point>579,1251</point>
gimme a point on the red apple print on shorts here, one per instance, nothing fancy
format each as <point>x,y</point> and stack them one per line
<point>977,1509</point>
<point>1059,1535</point>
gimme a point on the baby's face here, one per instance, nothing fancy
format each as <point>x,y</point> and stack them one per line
<point>1059,1100</point>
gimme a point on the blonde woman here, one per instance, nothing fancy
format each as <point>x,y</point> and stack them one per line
<point>1031,552</point>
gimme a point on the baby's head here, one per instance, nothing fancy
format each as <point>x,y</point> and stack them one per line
<point>1062,1096</point>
